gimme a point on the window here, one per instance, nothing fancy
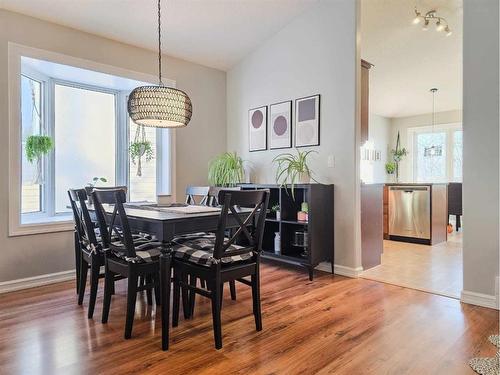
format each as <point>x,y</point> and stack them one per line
<point>436,154</point>
<point>91,133</point>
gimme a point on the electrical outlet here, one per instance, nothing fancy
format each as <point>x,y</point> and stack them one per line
<point>331,161</point>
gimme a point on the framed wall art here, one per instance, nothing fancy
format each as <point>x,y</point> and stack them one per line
<point>257,129</point>
<point>280,129</point>
<point>307,127</point>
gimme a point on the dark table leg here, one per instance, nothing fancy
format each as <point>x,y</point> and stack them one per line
<point>165,260</point>
<point>77,261</point>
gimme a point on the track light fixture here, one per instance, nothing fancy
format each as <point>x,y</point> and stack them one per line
<point>431,17</point>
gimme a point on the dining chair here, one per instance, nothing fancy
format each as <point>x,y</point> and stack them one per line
<point>200,193</point>
<point>216,258</point>
<point>129,256</point>
<point>89,244</point>
<point>213,194</point>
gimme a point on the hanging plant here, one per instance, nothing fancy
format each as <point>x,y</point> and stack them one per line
<point>140,148</point>
<point>36,147</point>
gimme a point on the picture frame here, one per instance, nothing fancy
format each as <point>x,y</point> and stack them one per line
<point>257,129</point>
<point>307,121</point>
<point>280,125</point>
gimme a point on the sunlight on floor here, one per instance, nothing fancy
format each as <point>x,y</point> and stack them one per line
<point>436,269</point>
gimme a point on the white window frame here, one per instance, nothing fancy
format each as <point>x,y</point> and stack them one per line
<point>449,129</point>
<point>58,223</point>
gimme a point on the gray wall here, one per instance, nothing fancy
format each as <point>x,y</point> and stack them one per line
<point>314,54</point>
<point>481,143</point>
<point>196,144</point>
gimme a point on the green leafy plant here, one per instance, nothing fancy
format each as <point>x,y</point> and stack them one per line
<point>141,149</point>
<point>390,167</point>
<point>96,180</point>
<point>275,208</point>
<point>397,155</point>
<point>38,146</point>
<point>292,169</point>
<point>226,170</point>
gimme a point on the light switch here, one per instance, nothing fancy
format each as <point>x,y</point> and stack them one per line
<point>331,161</point>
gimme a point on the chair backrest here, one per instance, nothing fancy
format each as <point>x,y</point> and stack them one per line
<point>200,192</point>
<point>90,189</point>
<point>117,223</point>
<point>213,194</point>
<point>455,198</point>
<point>232,200</point>
<point>83,222</point>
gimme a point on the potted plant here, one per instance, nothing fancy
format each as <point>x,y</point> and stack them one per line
<point>91,185</point>
<point>276,210</point>
<point>226,170</point>
<point>38,146</point>
<point>397,155</point>
<point>293,169</point>
<point>138,150</point>
<point>390,168</point>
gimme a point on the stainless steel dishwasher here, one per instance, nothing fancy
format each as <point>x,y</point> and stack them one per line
<point>410,211</point>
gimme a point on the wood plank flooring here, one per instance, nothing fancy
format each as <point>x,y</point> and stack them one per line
<point>332,325</point>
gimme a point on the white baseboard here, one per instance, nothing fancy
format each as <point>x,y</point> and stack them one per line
<point>479,299</point>
<point>32,282</point>
<point>340,270</point>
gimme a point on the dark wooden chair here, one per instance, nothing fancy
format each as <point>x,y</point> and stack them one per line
<point>89,245</point>
<point>197,195</point>
<point>455,202</point>
<point>216,259</point>
<point>213,194</point>
<point>131,256</point>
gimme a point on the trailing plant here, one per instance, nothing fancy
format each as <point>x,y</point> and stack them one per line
<point>226,170</point>
<point>140,148</point>
<point>96,180</point>
<point>292,169</point>
<point>38,146</point>
<point>275,208</point>
<point>397,155</point>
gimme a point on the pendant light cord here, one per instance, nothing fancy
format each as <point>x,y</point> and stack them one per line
<point>159,42</point>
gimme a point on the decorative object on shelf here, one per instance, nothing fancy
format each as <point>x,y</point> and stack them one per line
<point>292,169</point>
<point>281,125</point>
<point>257,129</point>
<point>432,17</point>
<point>37,146</point>
<point>301,216</point>
<point>140,148</point>
<point>159,106</point>
<point>434,149</point>
<point>300,239</point>
<point>276,210</point>
<point>277,243</point>
<point>226,170</point>
<point>307,113</point>
<point>397,155</point>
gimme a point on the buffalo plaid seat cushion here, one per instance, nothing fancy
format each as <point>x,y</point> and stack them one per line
<point>147,249</point>
<point>198,248</point>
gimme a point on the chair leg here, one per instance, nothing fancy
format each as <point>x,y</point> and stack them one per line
<point>216,308</point>
<point>109,282</point>
<point>176,299</point>
<point>94,282</point>
<point>232,288</point>
<point>84,267</point>
<point>192,295</point>
<point>256,300</point>
<point>78,254</point>
<point>156,281</point>
<point>131,298</point>
<point>165,267</point>
<point>149,291</point>
<point>185,295</point>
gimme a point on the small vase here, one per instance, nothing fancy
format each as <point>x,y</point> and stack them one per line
<point>304,178</point>
<point>278,215</point>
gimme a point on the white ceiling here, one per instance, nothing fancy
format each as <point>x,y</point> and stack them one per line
<point>216,33</point>
<point>409,61</point>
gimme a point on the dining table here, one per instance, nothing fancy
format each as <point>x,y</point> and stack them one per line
<point>165,225</point>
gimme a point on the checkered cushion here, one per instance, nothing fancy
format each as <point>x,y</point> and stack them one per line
<point>146,249</point>
<point>199,248</point>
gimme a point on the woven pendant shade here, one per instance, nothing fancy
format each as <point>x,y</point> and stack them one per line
<point>160,107</point>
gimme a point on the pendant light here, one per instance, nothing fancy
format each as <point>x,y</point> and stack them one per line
<point>433,150</point>
<point>159,106</point>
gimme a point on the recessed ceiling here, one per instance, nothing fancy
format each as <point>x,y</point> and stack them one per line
<point>215,33</point>
<point>409,61</point>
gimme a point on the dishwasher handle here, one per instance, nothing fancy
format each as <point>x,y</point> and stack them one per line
<point>411,189</point>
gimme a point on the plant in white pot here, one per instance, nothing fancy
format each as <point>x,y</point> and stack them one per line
<point>293,169</point>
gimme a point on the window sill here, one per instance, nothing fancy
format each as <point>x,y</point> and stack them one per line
<point>62,223</point>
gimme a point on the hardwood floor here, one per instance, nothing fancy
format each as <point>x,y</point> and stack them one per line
<point>333,325</point>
